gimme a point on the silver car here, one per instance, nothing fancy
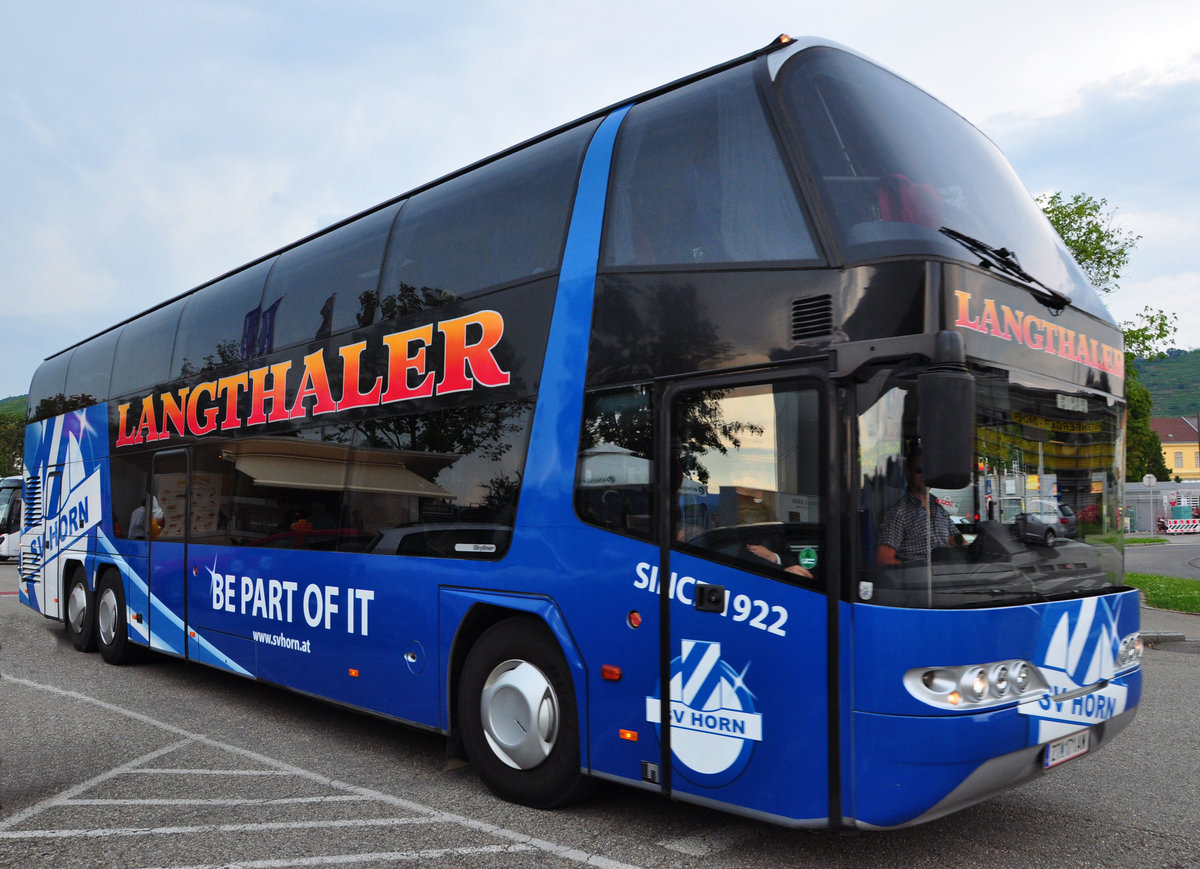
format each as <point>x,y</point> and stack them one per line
<point>1044,520</point>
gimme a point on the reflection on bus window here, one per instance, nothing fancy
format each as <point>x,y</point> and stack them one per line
<point>699,179</point>
<point>748,478</point>
<point>1039,519</point>
<point>615,470</point>
<point>376,485</point>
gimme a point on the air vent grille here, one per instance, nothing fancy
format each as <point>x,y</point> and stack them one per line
<point>812,317</point>
<point>33,501</point>
<point>31,562</point>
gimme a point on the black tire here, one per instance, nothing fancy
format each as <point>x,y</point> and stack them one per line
<point>80,617</point>
<point>523,754</point>
<point>112,629</point>
<point>1049,538</point>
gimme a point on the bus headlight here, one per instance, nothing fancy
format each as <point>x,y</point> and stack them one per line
<point>975,686</point>
<point>999,677</point>
<point>975,683</point>
<point>1130,651</point>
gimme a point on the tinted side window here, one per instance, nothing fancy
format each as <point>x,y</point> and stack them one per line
<point>613,476</point>
<point>144,350</point>
<point>324,286</point>
<point>219,326</point>
<point>129,479</point>
<point>279,492</point>
<point>501,222</point>
<point>698,178</point>
<point>91,365</point>
<point>440,484</point>
<point>750,487</point>
<point>47,390</point>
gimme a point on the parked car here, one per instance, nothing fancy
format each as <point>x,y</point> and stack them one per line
<point>966,526</point>
<point>1045,520</point>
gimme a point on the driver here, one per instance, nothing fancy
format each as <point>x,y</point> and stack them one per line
<point>912,520</point>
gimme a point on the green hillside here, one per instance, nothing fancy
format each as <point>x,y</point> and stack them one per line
<point>1174,382</point>
<point>13,406</point>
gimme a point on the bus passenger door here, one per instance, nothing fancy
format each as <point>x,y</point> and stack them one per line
<point>166,517</point>
<point>744,478</point>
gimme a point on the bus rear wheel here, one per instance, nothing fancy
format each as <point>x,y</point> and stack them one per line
<point>112,628</point>
<point>516,710</point>
<point>81,613</point>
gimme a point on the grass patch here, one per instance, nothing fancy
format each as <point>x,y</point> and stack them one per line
<point>1143,541</point>
<point>1167,592</point>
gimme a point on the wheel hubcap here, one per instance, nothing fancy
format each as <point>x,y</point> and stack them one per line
<point>106,616</point>
<point>77,607</point>
<point>520,714</point>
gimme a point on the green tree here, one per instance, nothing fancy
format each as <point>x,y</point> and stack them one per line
<point>12,444</point>
<point>1143,449</point>
<point>1088,227</point>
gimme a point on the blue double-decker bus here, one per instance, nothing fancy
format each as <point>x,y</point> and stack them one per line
<point>754,441</point>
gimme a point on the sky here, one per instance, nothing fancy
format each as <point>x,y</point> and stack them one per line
<point>147,147</point>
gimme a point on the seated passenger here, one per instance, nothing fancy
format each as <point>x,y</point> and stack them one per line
<point>137,522</point>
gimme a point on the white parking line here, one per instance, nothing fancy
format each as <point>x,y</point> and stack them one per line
<point>242,801</point>
<point>106,832</point>
<point>348,859</point>
<point>70,793</point>
<point>516,841</point>
<point>154,770</point>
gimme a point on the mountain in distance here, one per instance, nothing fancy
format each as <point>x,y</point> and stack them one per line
<point>13,406</point>
<point>1173,381</point>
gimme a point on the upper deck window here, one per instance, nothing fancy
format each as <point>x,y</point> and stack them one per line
<point>143,356</point>
<point>47,391</point>
<point>698,179</point>
<point>219,326</point>
<point>91,365</point>
<point>894,166</point>
<point>325,286</point>
<point>501,222</point>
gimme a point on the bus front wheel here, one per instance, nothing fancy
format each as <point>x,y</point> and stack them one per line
<point>81,613</point>
<point>517,715</point>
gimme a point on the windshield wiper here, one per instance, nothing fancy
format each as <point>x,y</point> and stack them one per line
<point>1005,260</point>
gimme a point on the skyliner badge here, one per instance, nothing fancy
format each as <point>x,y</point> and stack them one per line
<point>714,724</point>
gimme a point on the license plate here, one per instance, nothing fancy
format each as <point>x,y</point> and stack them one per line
<point>1062,750</point>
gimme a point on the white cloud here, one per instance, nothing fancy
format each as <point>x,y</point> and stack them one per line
<point>1175,294</point>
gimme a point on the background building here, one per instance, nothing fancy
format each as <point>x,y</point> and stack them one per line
<point>1180,445</point>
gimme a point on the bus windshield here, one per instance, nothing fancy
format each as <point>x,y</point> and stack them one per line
<point>10,490</point>
<point>895,167</point>
<point>1039,519</point>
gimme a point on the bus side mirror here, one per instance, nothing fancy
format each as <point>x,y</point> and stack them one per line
<point>946,391</point>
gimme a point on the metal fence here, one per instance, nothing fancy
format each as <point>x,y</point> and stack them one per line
<point>1145,505</point>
